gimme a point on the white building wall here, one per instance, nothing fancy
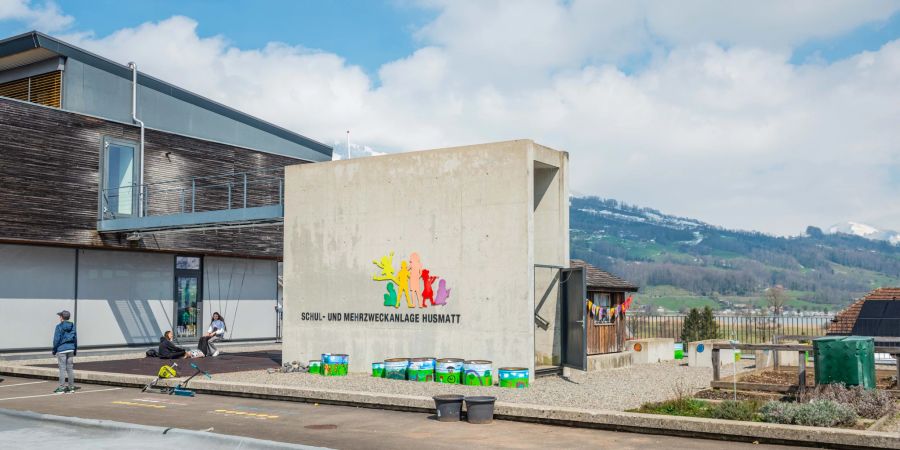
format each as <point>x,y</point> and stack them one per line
<point>35,284</point>
<point>124,297</point>
<point>244,291</point>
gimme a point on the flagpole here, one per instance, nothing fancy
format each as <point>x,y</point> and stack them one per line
<point>348,144</point>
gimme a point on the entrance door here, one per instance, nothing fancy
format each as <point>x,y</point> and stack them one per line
<point>574,293</point>
<point>188,306</point>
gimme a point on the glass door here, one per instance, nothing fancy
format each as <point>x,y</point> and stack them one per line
<point>119,192</point>
<point>188,285</point>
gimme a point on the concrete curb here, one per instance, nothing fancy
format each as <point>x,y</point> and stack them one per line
<point>608,420</point>
<point>214,439</point>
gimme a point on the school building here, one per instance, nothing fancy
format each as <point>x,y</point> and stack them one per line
<point>133,203</point>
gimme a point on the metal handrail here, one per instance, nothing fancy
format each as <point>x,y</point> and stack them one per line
<point>174,198</point>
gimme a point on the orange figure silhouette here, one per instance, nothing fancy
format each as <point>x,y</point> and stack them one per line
<point>402,281</point>
<point>415,276</point>
<point>387,268</point>
<point>427,293</point>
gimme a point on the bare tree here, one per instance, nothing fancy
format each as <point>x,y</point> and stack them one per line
<point>776,298</point>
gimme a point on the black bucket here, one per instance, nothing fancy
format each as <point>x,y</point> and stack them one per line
<point>480,409</point>
<point>448,407</point>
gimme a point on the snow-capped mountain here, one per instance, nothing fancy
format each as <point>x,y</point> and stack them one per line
<point>866,231</point>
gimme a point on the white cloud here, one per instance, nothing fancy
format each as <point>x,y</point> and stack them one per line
<point>717,124</point>
<point>44,17</point>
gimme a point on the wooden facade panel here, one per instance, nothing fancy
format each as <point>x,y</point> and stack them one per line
<point>50,176</point>
<point>606,337</point>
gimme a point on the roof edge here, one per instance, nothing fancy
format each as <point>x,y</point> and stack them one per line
<point>36,39</point>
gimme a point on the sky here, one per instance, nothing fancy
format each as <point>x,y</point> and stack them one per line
<point>765,115</point>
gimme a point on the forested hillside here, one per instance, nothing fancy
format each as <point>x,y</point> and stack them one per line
<point>682,262</point>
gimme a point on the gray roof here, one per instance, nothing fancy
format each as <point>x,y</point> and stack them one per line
<point>177,115</point>
<point>600,279</point>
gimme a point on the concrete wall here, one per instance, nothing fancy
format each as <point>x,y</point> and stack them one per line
<point>550,220</point>
<point>468,212</point>
<point>35,284</point>
<point>244,292</point>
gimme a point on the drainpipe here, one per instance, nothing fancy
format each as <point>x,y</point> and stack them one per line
<point>134,118</point>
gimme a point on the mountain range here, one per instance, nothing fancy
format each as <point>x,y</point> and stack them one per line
<point>866,231</point>
<point>682,262</point>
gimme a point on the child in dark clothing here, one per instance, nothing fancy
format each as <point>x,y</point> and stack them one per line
<point>168,349</point>
<point>65,346</point>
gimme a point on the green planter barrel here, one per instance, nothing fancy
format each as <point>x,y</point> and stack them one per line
<point>845,359</point>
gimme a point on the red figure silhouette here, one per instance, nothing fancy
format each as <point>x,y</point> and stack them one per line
<point>427,292</point>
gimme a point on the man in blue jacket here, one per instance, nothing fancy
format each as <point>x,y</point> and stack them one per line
<point>65,346</point>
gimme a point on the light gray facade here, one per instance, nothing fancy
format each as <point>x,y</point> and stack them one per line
<point>121,298</point>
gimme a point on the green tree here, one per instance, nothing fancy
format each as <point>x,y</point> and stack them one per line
<point>699,325</point>
<point>690,330</point>
<point>709,329</point>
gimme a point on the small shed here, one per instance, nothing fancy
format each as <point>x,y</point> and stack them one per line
<point>877,314</point>
<point>606,331</point>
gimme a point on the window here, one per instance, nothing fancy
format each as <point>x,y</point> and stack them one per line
<point>44,89</point>
<point>602,300</point>
<point>187,262</point>
<point>119,194</point>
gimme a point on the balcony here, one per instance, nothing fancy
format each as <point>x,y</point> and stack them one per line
<point>219,201</point>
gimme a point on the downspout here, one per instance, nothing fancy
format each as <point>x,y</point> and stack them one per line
<point>134,118</point>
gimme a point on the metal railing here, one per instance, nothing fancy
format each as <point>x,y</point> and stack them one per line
<point>195,194</point>
<point>746,329</point>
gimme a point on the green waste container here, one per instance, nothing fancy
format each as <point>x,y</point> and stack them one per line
<point>845,359</point>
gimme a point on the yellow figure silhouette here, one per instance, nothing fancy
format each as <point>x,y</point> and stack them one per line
<point>402,281</point>
<point>387,268</point>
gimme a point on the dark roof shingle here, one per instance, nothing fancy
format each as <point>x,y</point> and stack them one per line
<point>597,278</point>
<point>844,321</point>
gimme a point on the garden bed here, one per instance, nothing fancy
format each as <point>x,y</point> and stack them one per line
<point>831,405</point>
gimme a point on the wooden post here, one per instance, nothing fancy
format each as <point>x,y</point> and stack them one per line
<point>802,364</point>
<point>897,359</point>
<point>715,364</point>
<point>775,354</point>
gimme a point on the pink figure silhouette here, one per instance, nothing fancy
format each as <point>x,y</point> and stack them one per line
<point>427,293</point>
<point>442,293</point>
<point>415,275</point>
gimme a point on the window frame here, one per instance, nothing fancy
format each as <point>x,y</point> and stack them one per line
<point>104,181</point>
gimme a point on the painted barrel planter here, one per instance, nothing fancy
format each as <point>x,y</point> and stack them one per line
<point>477,373</point>
<point>449,370</point>
<point>315,366</point>
<point>378,369</point>
<point>420,369</point>
<point>395,368</point>
<point>513,377</point>
<point>334,365</point>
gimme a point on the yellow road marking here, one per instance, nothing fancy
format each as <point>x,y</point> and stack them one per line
<point>245,414</point>
<point>137,404</point>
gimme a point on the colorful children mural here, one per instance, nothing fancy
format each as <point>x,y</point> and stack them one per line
<point>413,282</point>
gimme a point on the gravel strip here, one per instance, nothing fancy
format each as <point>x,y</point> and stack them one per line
<point>614,389</point>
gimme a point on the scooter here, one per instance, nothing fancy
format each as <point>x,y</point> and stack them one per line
<point>181,388</point>
<point>164,372</point>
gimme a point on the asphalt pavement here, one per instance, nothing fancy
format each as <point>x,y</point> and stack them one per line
<point>292,422</point>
